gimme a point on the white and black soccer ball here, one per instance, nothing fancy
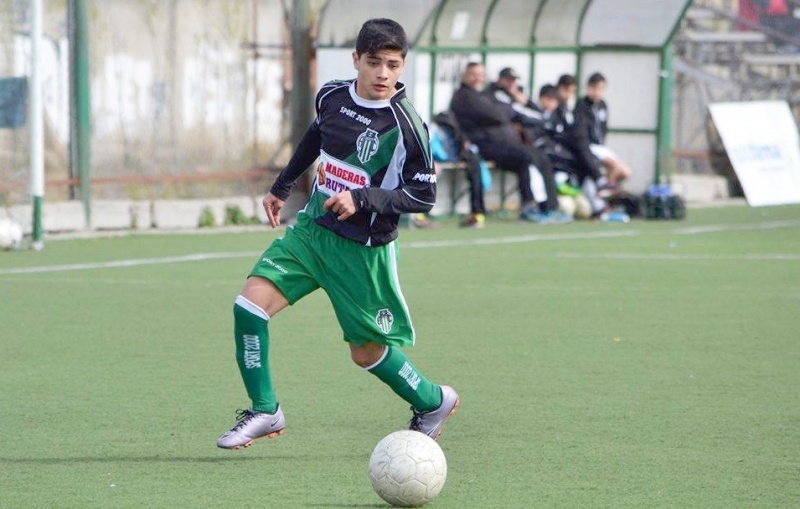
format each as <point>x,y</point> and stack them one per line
<point>583,209</point>
<point>10,234</point>
<point>407,469</point>
<point>567,205</point>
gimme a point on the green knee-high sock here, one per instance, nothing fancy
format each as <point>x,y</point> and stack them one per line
<point>396,371</point>
<point>252,354</point>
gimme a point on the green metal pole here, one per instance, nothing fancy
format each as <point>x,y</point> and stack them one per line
<point>80,146</point>
<point>664,140</point>
<point>532,43</point>
<point>434,57</point>
<point>432,91</point>
<point>579,45</point>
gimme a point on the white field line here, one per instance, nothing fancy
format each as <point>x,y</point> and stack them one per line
<point>720,228</point>
<point>250,254</point>
<point>517,239</point>
<point>675,256</point>
<point>136,262</point>
<point>466,243</point>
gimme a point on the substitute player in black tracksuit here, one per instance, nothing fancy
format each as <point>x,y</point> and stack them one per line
<point>577,142</point>
<point>591,124</point>
<point>491,128</point>
<point>592,117</point>
<point>508,96</point>
<point>541,129</point>
<point>561,131</point>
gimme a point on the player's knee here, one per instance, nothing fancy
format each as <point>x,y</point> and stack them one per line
<point>366,355</point>
<point>621,172</point>
<point>361,358</point>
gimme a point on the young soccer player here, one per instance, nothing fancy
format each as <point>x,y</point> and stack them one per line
<point>591,118</point>
<point>374,164</point>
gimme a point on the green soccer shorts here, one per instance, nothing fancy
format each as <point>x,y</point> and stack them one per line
<point>361,281</point>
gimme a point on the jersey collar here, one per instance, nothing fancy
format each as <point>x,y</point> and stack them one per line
<point>368,103</point>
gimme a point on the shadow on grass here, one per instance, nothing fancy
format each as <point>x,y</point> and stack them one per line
<point>136,459</point>
<point>384,506</point>
<point>225,458</point>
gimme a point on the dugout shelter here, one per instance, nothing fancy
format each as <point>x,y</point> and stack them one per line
<point>629,41</point>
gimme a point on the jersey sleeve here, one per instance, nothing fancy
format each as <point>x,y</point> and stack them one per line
<point>307,150</point>
<point>304,155</point>
<point>419,176</point>
<point>417,189</point>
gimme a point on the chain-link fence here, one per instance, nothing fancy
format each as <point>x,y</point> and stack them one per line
<point>187,96</point>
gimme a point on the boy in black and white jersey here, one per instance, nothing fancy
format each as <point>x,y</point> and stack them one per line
<point>591,121</point>
<point>374,164</point>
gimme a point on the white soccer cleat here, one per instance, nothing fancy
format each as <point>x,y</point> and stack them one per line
<point>432,422</point>
<point>252,426</point>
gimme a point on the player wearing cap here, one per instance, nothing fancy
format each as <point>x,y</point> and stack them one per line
<point>509,95</point>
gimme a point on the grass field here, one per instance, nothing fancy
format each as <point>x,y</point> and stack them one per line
<point>647,365</point>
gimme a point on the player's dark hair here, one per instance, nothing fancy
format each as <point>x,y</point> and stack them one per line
<point>470,65</point>
<point>381,34</point>
<point>566,80</point>
<point>548,91</point>
<point>596,78</point>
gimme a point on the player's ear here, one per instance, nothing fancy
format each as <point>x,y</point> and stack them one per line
<point>355,60</point>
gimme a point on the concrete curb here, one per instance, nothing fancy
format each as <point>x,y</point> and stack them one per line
<point>170,215</point>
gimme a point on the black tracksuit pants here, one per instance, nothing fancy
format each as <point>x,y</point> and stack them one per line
<point>517,158</point>
<point>473,162</point>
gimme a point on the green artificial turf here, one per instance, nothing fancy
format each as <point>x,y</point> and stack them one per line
<point>641,365</point>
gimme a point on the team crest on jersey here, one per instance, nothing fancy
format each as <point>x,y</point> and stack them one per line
<point>384,320</point>
<point>367,145</point>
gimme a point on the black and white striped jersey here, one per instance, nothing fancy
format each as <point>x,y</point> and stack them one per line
<point>378,150</point>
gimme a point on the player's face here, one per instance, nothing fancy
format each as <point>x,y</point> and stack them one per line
<point>508,84</point>
<point>567,93</point>
<point>548,104</point>
<point>475,77</point>
<point>596,91</point>
<point>378,73</point>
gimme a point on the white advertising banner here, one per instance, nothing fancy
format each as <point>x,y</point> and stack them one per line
<point>763,144</point>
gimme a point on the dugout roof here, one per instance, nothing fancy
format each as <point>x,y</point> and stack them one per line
<point>509,24</point>
<point>628,41</point>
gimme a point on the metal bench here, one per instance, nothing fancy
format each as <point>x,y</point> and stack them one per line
<point>457,192</point>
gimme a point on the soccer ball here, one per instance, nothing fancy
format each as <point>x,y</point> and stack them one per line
<point>10,234</point>
<point>407,468</point>
<point>583,209</point>
<point>567,205</point>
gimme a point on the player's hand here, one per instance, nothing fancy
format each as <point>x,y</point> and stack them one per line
<point>272,206</point>
<point>520,97</point>
<point>341,204</point>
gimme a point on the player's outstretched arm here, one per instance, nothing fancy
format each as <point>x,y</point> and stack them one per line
<point>272,206</point>
<point>306,153</point>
